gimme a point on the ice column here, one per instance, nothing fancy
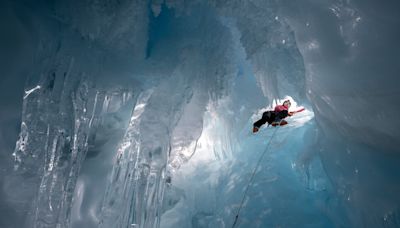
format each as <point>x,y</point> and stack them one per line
<point>121,199</point>
<point>57,118</point>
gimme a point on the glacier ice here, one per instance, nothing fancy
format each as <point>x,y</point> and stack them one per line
<point>138,113</point>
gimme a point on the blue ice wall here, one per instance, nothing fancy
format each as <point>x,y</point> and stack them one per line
<point>138,113</point>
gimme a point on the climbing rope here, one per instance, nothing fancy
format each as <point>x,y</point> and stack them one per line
<point>252,177</point>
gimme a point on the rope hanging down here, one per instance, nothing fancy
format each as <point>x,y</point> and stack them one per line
<point>252,177</point>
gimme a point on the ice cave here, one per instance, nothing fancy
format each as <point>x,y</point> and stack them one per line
<point>139,113</point>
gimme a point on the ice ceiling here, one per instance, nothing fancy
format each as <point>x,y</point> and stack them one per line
<point>118,113</point>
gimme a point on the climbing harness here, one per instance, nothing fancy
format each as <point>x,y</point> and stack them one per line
<point>252,177</point>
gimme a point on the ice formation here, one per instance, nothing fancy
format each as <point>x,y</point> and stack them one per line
<point>139,113</point>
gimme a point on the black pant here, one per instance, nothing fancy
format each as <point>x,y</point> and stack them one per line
<point>270,116</point>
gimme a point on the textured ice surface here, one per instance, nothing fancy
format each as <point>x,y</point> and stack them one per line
<point>289,181</point>
<point>138,113</point>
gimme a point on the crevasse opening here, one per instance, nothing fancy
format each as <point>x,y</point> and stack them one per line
<point>139,114</point>
<point>208,188</point>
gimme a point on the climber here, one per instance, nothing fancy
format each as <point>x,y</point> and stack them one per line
<point>275,117</point>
